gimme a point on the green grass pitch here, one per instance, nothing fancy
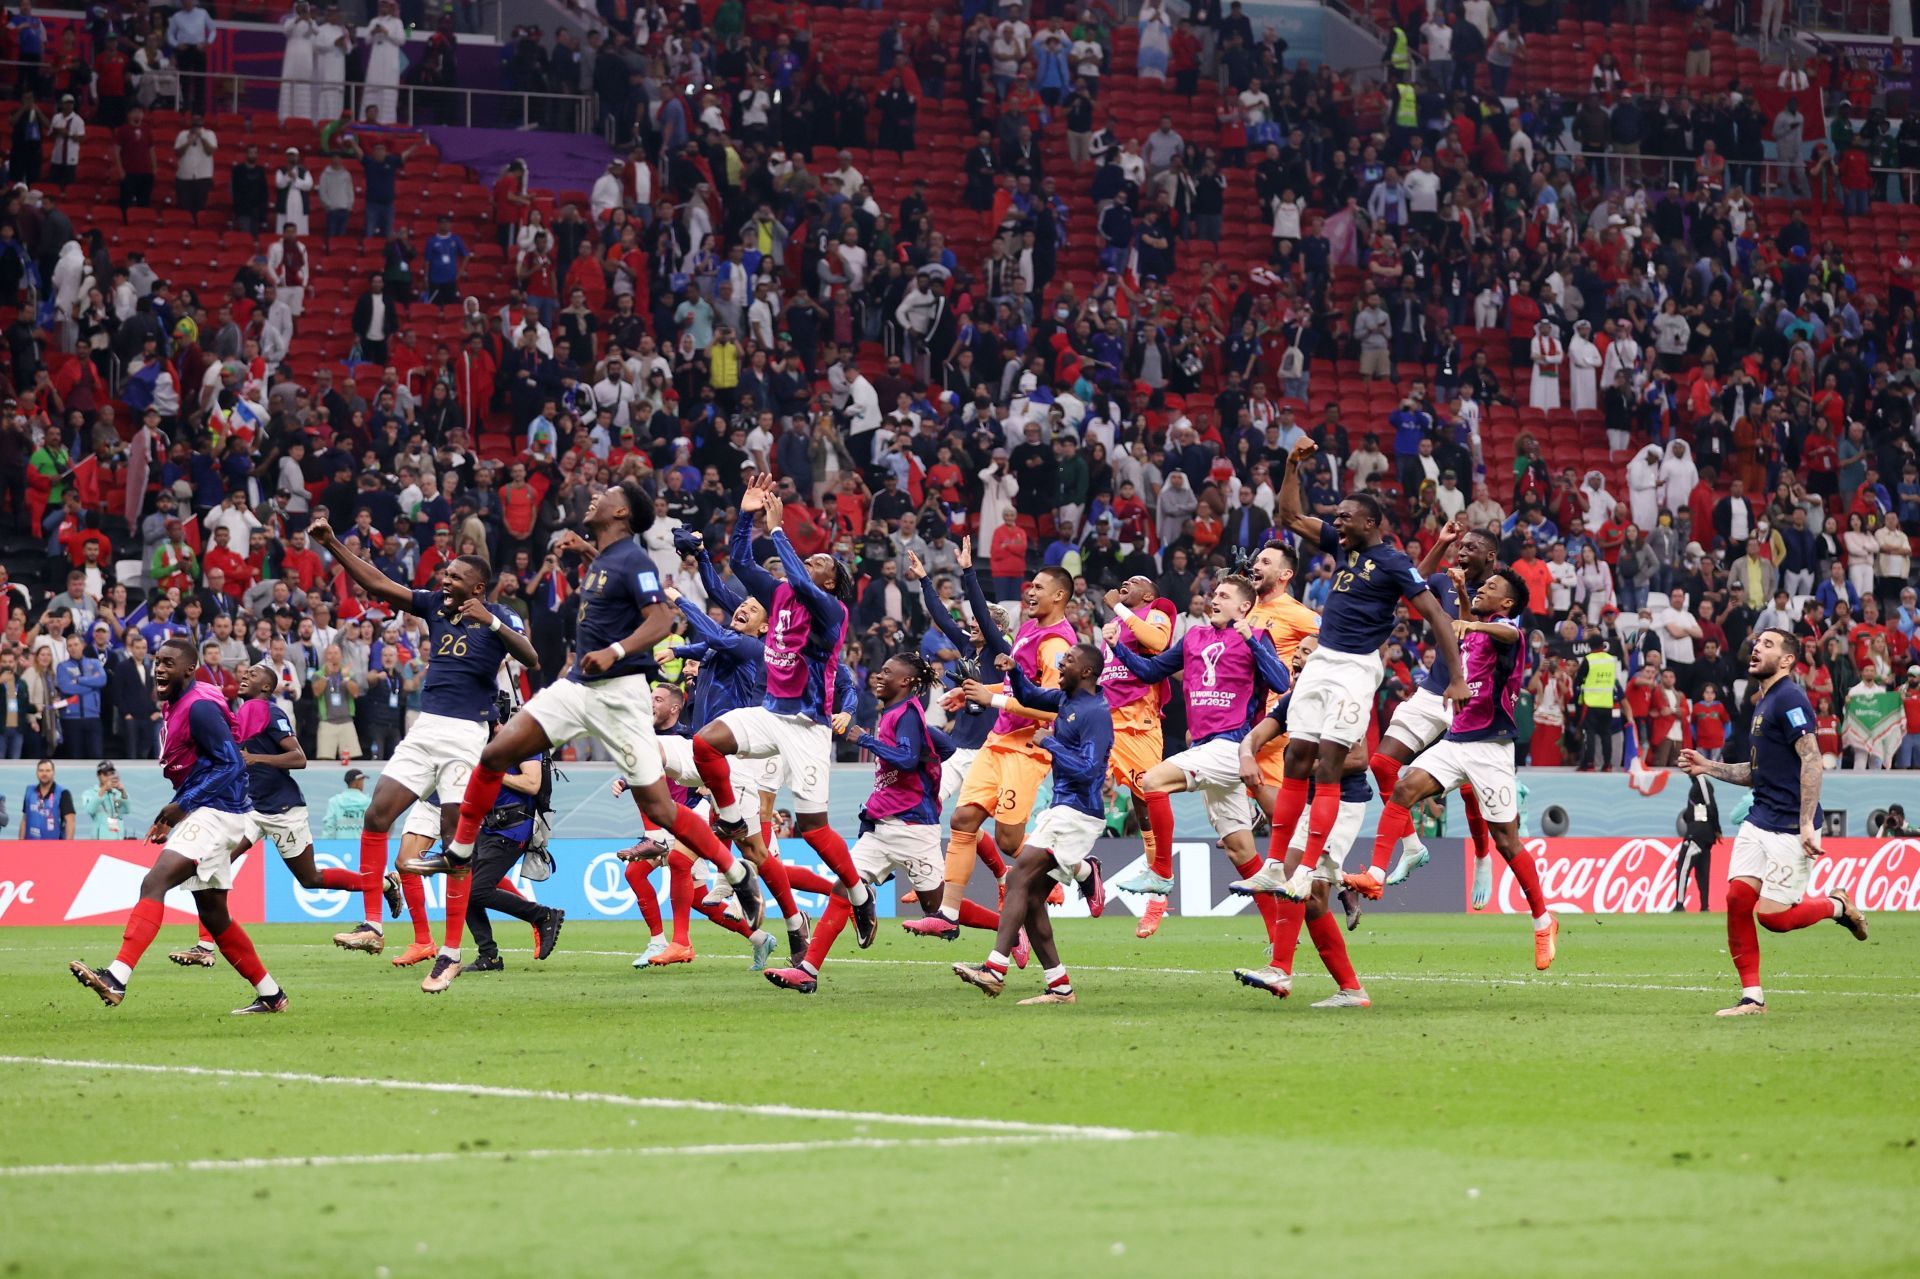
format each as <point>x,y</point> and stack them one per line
<point>1479,1120</point>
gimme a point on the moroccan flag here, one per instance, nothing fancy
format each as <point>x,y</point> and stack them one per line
<point>86,480</point>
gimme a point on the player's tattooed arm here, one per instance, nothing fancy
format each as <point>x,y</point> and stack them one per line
<point>1694,764</point>
<point>1812,769</point>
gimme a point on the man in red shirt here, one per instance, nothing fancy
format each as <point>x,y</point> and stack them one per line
<point>210,671</point>
<point>1007,558</point>
<point>135,160</point>
<point>222,556</point>
<point>301,562</point>
<point>438,552</point>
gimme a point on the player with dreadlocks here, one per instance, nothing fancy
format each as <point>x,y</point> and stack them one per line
<point>900,822</point>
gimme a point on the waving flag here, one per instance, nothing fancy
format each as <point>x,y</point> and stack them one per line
<point>1648,781</point>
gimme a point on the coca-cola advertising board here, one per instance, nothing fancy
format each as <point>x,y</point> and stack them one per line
<point>1638,876</point>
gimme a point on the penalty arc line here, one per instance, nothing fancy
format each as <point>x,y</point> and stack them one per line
<point>765,1110</point>
<point>272,1163</point>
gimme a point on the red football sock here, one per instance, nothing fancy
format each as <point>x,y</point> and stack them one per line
<point>717,914</point>
<point>1395,824</point>
<point>716,775</point>
<point>1386,772</point>
<point>206,936</point>
<point>826,841</point>
<point>773,872</point>
<point>1320,820</point>
<point>1286,815</point>
<point>1159,807</point>
<point>827,931</point>
<point>1527,871</point>
<point>238,948</point>
<point>1476,824</point>
<point>340,877</point>
<point>1812,909</point>
<point>506,886</point>
<point>809,881</point>
<point>640,881</point>
<point>1286,933</point>
<point>459,889</point>
<point>1329,938</point>
<point>414,890</point>
<point>1266,903</point>
<point>680,888</point>
<point>698,836</point>
<point>974,915</point>
<point>373,868</point>
<point>1743,939</point>
<point>143,925</point>
<point>992,858</point>
<point>483,787</point>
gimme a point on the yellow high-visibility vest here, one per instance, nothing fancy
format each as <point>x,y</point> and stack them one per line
<point>1598,689</point>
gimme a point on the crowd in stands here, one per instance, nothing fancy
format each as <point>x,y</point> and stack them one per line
<point>1685,413</point>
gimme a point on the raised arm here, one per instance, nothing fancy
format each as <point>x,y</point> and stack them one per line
<point>362,572</point>
<point>1450,534</point>
<point>996,642</point>
<point>1293,500</point>
<point>757,580</point>
<point>936,609</point>
<point>719,590</point>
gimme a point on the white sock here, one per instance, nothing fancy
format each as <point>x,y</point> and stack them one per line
<point>759,935</point>
<point>795,922</point>
<point>1754,993</point>
<point>207,946</point>
<point>375,925</point>
<point>1837,911</point>
<point>950,913</point>
<point>450,952</point>
<point>858,893</point>
<point>267,986</point>
<point>809,969</point>
<point>998,960</point>
<point>736,872</point>
<point>1542,922</point>
<point>657,936</point>
<point>459,851</point>
<point>121,973</point>
<point>1408,843</point>
<point>729,812</point>
<point>1057,976</point>
<point>1081,872</point>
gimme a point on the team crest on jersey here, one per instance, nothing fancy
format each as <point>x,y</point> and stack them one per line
<point>1366,570</point>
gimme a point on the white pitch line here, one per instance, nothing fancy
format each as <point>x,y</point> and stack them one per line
<point>764,1110</point>
<point>451,1156</point>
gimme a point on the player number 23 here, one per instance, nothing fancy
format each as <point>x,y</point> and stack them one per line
<point>455,645</point>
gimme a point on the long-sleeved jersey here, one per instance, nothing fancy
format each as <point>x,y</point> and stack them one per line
<point>806,627</point>
<point>200,754</point>
<point>1080,741</point>
<point>972,724</point>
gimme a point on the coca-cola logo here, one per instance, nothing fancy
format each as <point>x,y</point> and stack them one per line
<point>1886,876</point>
<point>1637,876</point>
<point>11,892</point>
<point>1632,877</point>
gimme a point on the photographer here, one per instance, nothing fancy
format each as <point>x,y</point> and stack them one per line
<point>504,837</point>
<point>107,804</point>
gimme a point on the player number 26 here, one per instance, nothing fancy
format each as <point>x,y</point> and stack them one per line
<point>456,645</point>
